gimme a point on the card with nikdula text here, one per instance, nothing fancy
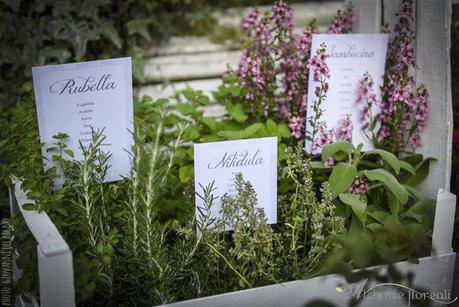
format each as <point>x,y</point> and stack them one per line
<point>79,98</point>
<point>219,162</point>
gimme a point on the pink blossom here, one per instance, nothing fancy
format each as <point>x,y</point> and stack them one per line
<point>318,65</point>
<point>366,97</point>
<point>296,125</point>
<point>330,162</point>
<point>416,140</point>
<point>282,15</point>
<point>325,138</point>
<point>325,135</point>
<point>343,22</point>
<point>359,186</point>
<point>422,98</point>
<point>344,129</point>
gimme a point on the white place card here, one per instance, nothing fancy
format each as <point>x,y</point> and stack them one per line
<point>73,98</point>
<point>256,159</point>
<point>349,57</point>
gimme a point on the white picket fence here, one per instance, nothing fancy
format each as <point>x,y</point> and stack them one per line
<point>433,273</point>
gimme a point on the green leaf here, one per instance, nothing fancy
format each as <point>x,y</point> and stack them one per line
<point>413,215</point>
<point>414,159</point>
<point>191,133</point>
<point>422,171</point>
<point>29,206</point>
<point>318,165</point>
<point>252,129</point>
<point>336,147</point>
<point>236,111</point>
<point>108,30</point>
<point>186,173</point>
<point>374,227</point>
<point>231,135</point>
<point>390,182</point>
<point>69,152</point>
<point>185,109</point>
<point>209,122</point>
<point>394,204</point>
<point>425,206</point>
<point>271,126</point>
<point>281,151</point>
<point>139,26</point>
<point>357,202</point>
<point>62,211</point>
<point>388,157</point>
<point>283,131</point>
<point>379,216</point>
<point>414,192</point>
<point>341,178</point>
<point>407,167</point>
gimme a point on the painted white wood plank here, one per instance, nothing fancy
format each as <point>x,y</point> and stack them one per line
<point>56,279</point>
<point>55,266</point>
<point>186,45</point>
<point>193,66</point>
<point>433,48</point>
<point>390,9</point>
<point>367,15</point>
<point>201,44</point>
<point>45,232</point>
<point>434,274</point>
<point>442,237</point>
<point>303,13</point>
<point>214,110</point>
<point>167,90</point>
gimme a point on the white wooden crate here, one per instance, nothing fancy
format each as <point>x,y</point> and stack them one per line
<point>432,274</point>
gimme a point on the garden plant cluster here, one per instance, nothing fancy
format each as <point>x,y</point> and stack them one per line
<point>137,241</point>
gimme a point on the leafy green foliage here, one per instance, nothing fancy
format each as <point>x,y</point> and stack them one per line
<point>309,227</point>
<point>36,33</point>
<point>384,209</point>
<point>341,178</point>
<point>137,241</point>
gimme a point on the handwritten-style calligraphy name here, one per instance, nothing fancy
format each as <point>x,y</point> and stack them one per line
<point>79,85</point>
<point>237,159</point>
<point>351,52</point>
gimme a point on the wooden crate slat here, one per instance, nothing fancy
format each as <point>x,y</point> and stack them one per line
<point>193,66</point>
<point>55,274</point>
<point>390,9</point>
<point>167,90</point>
<point>442,237</point>
<point>434,274</point>
<point>368,16</point>
<point>55,264</point>
<point>433,46</point>
<point>303,14</point>
<point>45,232</point>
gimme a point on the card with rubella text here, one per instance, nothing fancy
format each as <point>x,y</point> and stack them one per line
<point>77,98</point>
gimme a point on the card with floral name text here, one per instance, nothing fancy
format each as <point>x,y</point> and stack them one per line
<point>78,98</point>
<point>345,60</point>
<point>255,159</point>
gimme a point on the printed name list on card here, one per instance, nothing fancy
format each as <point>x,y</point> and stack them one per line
<point>255,159</point>
<point>348,57</point>
<point>76,98</point>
